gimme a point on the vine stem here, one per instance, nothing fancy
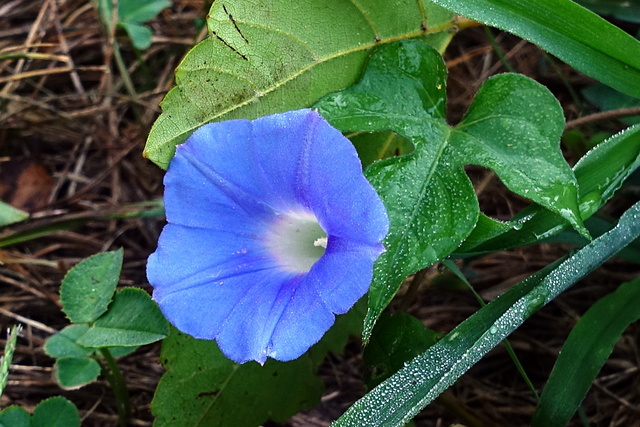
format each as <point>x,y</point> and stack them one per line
<point>119,386</point>
<point>604,115</point>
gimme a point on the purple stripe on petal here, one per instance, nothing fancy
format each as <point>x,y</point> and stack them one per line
<point>246,332</point>
<point>230,309</point>
<point>188,257</point>
<point>303,322</point>
<point>341,197</point>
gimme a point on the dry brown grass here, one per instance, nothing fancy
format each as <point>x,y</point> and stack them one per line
<point>71,138</point>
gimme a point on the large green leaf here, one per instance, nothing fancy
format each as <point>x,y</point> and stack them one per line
<point>567,30</point>
<point>398,399</point>
<point>203,388</point>
<point>585,351</point>
<point>600,173</point>
<point>87,288</point>
<point>269,56</point>
<point>513,127</point>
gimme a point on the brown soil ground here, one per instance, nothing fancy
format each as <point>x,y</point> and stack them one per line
<point>71,138</point>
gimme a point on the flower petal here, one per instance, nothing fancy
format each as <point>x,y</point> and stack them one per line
<point>239,313</point>
<point>340,196</point>
<point>246,333</point>
<point>190,258</point>
<point>343,275</point>
<point>215,274</point>
<point>207,183</point>
<point>302,323</point>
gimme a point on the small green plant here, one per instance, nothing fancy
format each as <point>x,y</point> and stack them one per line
<point>55,411</point>
<point>105,324</point>
<point>132,14</point>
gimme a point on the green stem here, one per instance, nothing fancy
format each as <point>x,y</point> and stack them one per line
<point>126,78</point>
<point>565,81</point>
<point>498,51</point>
<point>118,385</point>
<point>507,345</point>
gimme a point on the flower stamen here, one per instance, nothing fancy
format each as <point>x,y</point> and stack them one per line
<point>321,241</point>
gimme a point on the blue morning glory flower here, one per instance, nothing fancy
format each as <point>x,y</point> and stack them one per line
<point>272,230</point>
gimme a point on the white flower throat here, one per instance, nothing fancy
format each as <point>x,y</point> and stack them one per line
<point>296,241</point>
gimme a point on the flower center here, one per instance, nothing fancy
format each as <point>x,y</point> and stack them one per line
<point>296,241</point>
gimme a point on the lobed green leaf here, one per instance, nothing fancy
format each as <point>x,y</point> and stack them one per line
<point>513,127</point>
<point>600,173</point>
